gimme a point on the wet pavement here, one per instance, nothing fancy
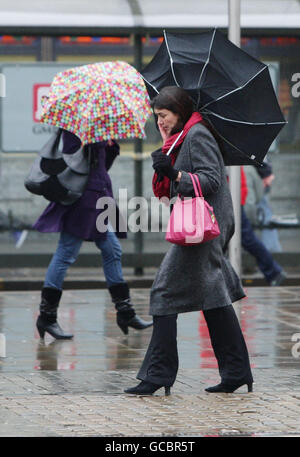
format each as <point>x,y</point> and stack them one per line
<point>75,388</point>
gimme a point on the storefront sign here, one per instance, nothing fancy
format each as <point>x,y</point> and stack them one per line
<point>25,87</point>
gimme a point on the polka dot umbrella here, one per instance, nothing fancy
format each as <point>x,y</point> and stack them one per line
<point>98,101</point>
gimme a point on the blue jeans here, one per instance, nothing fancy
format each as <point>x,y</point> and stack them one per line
<point>267,265</point>
<point>66,254</point>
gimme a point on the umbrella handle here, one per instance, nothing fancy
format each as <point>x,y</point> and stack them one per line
<point>173,145</point>
<point>91,156</point>
<point>57,140</point>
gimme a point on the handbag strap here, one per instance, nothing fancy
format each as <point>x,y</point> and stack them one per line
<point>196,185</point>
<point>57,139</point>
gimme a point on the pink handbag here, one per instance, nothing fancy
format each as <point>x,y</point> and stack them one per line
<point>192,220</point>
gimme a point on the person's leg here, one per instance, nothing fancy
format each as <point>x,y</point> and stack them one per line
<point>66,254</point>
<point>111,252</point>
<point>229,347</point>
<point>267,265</point>
<point>160,364</point>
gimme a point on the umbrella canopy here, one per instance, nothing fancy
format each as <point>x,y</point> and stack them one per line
<point>98,101</point>
<point>232,90</point>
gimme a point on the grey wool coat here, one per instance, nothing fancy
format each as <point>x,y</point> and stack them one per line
<point>199,277</point>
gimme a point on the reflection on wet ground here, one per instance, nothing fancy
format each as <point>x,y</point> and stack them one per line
<point>269,317</point>
<point>86,376</point>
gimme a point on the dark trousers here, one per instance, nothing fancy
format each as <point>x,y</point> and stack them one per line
<point>160,364</point>
<point>229,346</point>
<point>267,265</point>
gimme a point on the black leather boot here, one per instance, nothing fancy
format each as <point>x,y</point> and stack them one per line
<point>46,321</point>
<point>229,388</point>
<point>126,316</point>
<point>147,388</point>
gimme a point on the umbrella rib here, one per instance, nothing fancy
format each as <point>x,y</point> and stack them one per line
<point>235,90</point>
<point>235,147</point>
<point>171,60</point>
<point>208,56</point>
<point>150,84</point>
<point>243,122</point>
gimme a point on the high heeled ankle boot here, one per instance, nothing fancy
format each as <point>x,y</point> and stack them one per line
<point>147,388</point>
<point>126,316</point>
<point>47,320</point>
<point>228,388</point>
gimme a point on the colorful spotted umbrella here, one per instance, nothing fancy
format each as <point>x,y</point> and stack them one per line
<point>98,102</point>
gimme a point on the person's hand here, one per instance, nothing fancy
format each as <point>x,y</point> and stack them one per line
<point>164,133</point>
<point>268,180</point>
<point>162,165</point>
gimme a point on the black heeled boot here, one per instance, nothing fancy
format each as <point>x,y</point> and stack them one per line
<point>126,316</point>
<point>147,388</point>
<point>47,320</point>
<point>227,388</point>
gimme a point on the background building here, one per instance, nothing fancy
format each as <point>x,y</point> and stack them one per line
<point>39,38</point>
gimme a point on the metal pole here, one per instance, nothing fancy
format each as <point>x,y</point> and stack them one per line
<point>235,256</point>
<point>138,149</point>
<point>46,50</point>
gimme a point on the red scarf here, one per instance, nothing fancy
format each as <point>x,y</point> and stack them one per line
<point>162,188</point>
<point>244,188</point>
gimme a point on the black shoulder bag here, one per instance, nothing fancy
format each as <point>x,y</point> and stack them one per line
<point>58,177</point>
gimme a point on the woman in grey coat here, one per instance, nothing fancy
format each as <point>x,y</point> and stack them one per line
<point>197,277</point>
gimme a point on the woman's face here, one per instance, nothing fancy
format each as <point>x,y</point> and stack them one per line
<point>166,120</point>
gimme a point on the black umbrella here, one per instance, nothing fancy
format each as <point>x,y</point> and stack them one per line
<point>232,90</point>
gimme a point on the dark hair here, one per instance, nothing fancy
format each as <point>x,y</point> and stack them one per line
<point>177,100</point>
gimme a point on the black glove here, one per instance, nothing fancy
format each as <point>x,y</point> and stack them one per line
<point>162,165</point>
